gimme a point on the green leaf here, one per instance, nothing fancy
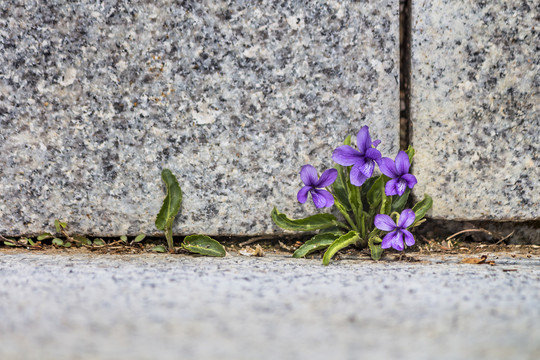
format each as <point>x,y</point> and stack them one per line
<point>340,188</point>
<point>318,242</point>
<point>159,249</point>
<point>342,242</point>
<point>333,229</point>
<point>7,243</point>
<point>347,140</point>
<point>139,238</point>
<point>99,242</point>
<point>374,195</point>
<point>31,242</point>
<point>58,242</point>
<point>59,225</point>
<point>82,239</point>
<point>422,207</point>
<point>44,236</point>
<point>400,201</point>
<point>123,238</point>
<point>171,203</point>
<point>410,153</point>
<point>204,245</point>
<point>376,250</point>
<point>386,205</point>
<point>67,244</point>
<point>315,222</point>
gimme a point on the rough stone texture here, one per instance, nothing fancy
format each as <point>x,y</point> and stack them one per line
<point>475,107</point>
<point>234,97</point>
<point>172,307</point>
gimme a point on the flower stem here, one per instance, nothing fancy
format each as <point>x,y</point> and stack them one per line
<point>345,214</point>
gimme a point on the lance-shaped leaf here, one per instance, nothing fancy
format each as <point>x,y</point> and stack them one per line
<point>172,202</point>
<point>374,195</point>
<point>318,242</point>
<point>204,245</point>
<point>342,242</point>
<point>400,201</point>
<point>315,222</point>
<point>410,153</point>
<point>340,188</point>
<point>422,207</point>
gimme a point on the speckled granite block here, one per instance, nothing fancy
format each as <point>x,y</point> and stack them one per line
<point>234,97</point>
<point>475,107</point>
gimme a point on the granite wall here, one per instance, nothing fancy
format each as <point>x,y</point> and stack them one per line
<point>475,107</point>
<point>234,97</point>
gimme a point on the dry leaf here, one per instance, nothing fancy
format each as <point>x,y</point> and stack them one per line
<point>258,251</point>
<point>481,260</point>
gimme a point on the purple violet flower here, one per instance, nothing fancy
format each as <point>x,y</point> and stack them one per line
<point>321,198</point>
<point>398,171</point>
<point>362,160</point>
<point>395,237</point>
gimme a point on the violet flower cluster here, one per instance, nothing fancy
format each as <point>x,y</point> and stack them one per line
<point>362,162</point>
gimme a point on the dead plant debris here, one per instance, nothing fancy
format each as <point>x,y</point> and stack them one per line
<point>481,260</point>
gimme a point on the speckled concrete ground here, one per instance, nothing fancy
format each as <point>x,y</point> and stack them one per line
<point>178,307</point>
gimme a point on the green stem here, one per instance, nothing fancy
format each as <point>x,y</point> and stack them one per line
<point>349,220</point>
<point>169,237</point>
<point>344,212</point>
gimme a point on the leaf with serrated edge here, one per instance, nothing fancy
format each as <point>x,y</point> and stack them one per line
<point>342,242</point>
<point>311,223</point>
<point>318,242</point>
<point>204,245</point>
<point>172,202</point>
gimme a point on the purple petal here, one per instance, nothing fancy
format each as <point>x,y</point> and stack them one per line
<point>302,194</point>
<point>397,241</point>
<point>357,178</point>
<point>410,179</point>
<point>373,154</point>
<point>388,167</point>
<point>384,222</point>
<point>322,198</point>
<point>346,155</point>
<point>409,238</point>
<point>327,178</point>
<point>363,140</point>
<point>308,174</point>
<point>365,166</point>
<point>376,143</point>
<point>390,188</point>
<point>401,185</point>
<point>402,163</point>
<point>393,239</point>
<point>406,218</point>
